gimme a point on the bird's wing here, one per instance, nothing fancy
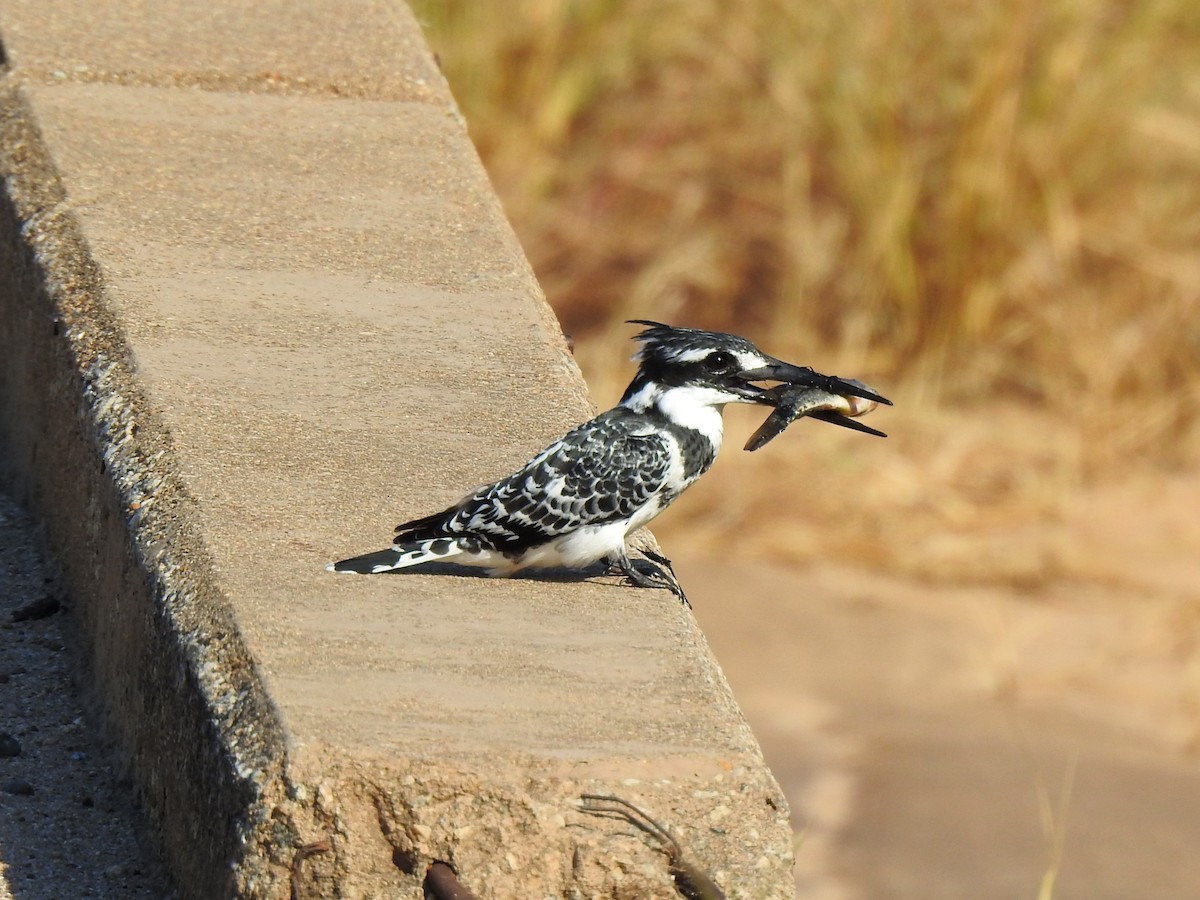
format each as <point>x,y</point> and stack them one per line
<point>603,471</point>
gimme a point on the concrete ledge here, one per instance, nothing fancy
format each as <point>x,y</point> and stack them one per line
<point>254,313</point>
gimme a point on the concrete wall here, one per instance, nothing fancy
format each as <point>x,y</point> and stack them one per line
<point>258,304</point>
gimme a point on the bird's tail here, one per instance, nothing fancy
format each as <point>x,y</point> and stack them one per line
<point>400,556</point>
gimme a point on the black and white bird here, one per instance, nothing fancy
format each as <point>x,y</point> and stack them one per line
<point>576,502</point>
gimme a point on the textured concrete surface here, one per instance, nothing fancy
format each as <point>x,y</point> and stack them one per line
<point>263,305</point>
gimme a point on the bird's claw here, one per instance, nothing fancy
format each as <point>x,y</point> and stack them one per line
<point>653,572</point>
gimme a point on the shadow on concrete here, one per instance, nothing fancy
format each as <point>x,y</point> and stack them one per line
<point>555,575</point>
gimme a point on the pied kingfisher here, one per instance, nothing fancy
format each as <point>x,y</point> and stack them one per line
<point>577,501</point>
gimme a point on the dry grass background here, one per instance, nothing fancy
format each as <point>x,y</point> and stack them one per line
<point>989,211</point>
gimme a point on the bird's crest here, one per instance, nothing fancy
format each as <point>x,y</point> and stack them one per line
<point>670,343</point>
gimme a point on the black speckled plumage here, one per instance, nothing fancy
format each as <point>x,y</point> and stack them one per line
<point>603,471</point>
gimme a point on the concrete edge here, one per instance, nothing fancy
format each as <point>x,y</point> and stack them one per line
<point>83,453</point>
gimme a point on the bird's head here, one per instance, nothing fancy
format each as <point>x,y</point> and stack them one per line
<point>717,368</point>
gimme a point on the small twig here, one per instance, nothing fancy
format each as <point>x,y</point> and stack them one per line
<point>691,881</point>
<point>441,883</point>
<point>1054,825</point>
<point>302,853</point>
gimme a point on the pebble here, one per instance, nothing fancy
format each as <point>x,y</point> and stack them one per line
<point>42,608</point>
<point>718,813</point>
<point>18,786</point>
<point>9,745</point>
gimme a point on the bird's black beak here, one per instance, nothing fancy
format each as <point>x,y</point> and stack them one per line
<point>777,370</point>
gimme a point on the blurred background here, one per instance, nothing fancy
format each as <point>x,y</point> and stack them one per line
<point>971,650</point>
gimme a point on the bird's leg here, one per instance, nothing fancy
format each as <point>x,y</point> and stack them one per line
<point>648,573</point>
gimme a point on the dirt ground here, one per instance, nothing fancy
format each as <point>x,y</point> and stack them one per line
<point>970,740</point>
<point>67,820</point>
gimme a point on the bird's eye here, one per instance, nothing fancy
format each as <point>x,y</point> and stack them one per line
<point>719,362</point>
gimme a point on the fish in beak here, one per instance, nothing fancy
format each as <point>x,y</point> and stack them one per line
<point>839,401</point>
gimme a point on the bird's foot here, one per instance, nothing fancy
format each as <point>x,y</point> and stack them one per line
<point>653,572</point>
